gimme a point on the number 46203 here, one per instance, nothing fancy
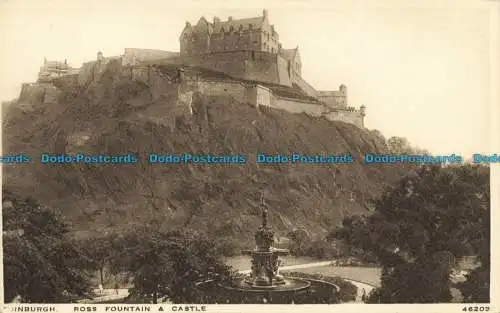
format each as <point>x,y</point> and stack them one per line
<point>476,309</point>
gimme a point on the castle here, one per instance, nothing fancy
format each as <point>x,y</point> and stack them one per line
<point>247,50</point>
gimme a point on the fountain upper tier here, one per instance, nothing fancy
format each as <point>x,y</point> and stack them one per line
<point>265,261</point>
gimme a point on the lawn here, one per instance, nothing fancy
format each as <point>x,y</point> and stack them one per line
<point>243,262</point>
<point>369,275</point>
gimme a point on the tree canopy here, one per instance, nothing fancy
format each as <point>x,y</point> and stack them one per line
<point>167,264</point>
<point>41,263</point>
<point>421,227</point>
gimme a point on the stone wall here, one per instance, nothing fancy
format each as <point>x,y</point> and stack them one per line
<point>249,65</point>
<point>141,74</point>
<point>92,71</point>
<point>348,116</point>
<point>69,82</point>
<point>86,74</point>
<point>297,106</point>
<point>262,66</point>
<point>214,88</point>
<point>334,98</point>
<point>258,95</point>
<point>308,89</point>
<point>283,72</point>
<point>133,56</point>
<point>51,95</point>
<point>33,93</point>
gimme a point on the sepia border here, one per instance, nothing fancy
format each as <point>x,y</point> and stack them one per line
<point>494,306</point>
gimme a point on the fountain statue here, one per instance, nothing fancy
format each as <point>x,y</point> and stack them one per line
<point>265,259</point>
<point>264,284</point>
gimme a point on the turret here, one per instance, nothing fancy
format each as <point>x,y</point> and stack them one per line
<point>362,110</point>
<point>343,90</point>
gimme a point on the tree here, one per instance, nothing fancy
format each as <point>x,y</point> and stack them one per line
<point>299,240</point>
<point>399,145</point>
<point>41,263</point>
<point>168,264</point>
<point>100,251</point>
<point>378,134</point>
<point>420,227</point>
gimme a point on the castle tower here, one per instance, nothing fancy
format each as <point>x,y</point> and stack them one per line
<point>343,91</point>
<point>100,56</point>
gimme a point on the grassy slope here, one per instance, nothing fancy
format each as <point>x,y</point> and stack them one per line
<point>119,116</point>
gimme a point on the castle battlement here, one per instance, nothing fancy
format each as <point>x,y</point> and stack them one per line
<point>51,70</point>
<point>246,51</point>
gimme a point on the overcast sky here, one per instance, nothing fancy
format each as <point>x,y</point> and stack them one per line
<point>421,68</point>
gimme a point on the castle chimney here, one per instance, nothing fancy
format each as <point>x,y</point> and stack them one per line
<point>362,110</point>
<point>264,14</point>
<point>180,74</point>
<point>230,18</point>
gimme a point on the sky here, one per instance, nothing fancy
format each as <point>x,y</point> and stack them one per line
<point>423,69</point>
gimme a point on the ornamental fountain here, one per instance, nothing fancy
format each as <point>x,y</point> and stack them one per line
<point>264,283</point>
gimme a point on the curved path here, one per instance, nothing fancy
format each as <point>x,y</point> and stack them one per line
<point>111,294</point>
<point>361,285</point>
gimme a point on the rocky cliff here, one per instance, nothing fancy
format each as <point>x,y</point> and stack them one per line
<point>118,115</point>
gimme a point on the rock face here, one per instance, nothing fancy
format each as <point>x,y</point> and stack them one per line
<point>118,115</point>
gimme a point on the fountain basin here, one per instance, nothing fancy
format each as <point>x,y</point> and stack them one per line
<point>295,290</point>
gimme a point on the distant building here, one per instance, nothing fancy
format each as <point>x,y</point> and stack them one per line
<point>54,69</point>
<point>254,34</point>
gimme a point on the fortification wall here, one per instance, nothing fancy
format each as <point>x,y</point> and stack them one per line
<point>51,95</point>
<point>92,71</point>
<point>140,73</point>
<point>133,56</point>
<point>69,82</point>
<point>258,66</point>
<point>262,66</point>
<point>33,93</point>
<point>308,89</point>
<point>213,88</point>
<point>348,116</point>
<point>86,74</point>
<point>283,75</point>
<point>297,106</point>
